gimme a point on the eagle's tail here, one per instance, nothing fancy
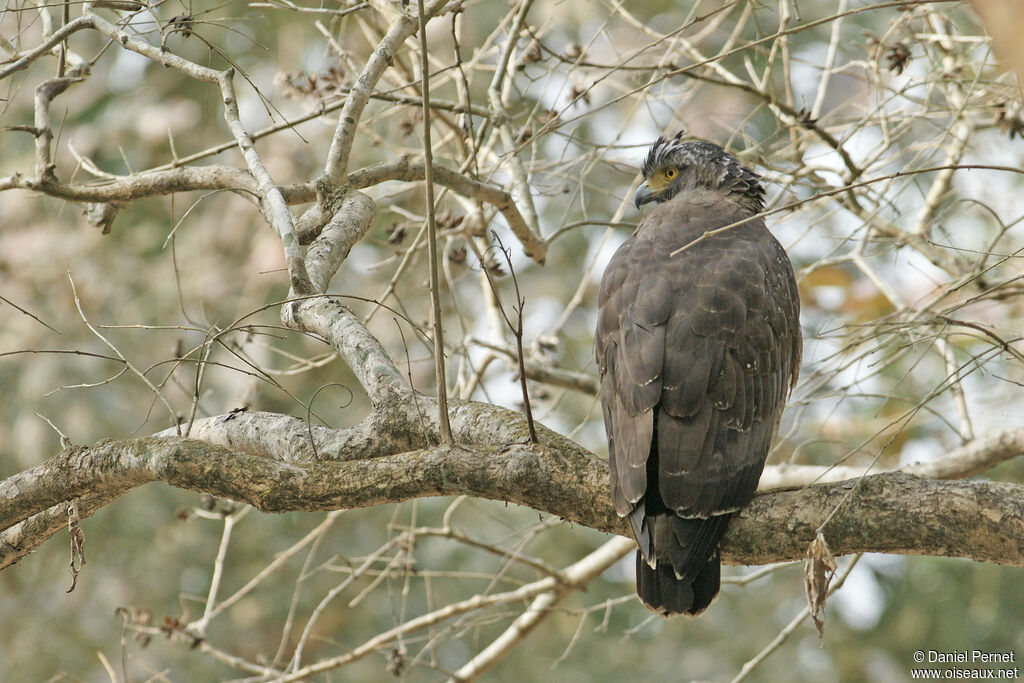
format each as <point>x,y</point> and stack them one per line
<point>687,571</point>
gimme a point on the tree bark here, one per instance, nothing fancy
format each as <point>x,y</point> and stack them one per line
<point>267,461</point>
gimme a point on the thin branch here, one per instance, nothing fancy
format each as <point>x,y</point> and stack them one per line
<point>199,627</point>
<point>545,373</point>
<point>517,331</point>
<point>462,184</point>
<point>272,204</point>
<point>965,461</point>
<point>788,630</point>
<point>582,569</point>
<point>139,186</point>
<point>138,373</point>
<point>500,120</point>
<point>348,120</point>
<point>440,376</point>
<point>58,36</point>
<point>574,578</point>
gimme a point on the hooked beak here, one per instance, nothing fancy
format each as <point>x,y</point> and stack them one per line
<point>642,196</point>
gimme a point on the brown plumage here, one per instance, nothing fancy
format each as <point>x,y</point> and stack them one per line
<point>697,354</point>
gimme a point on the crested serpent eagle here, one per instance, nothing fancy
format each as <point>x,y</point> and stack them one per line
<point>698,345</point>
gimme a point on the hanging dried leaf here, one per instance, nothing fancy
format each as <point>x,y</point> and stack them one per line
<point>819,568</point>
<point>77,543</point>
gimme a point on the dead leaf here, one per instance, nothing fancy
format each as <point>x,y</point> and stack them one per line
<point>77,543</point>
<point>819,568</point>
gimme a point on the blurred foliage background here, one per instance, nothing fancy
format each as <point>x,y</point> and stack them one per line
<point>910,277</point>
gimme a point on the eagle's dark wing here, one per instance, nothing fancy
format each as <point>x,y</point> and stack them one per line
<point>697,353</point>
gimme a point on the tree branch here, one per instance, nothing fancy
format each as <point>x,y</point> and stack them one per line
<point>128,188</point>
<point>458,182</point>
<point>577,575</point>
<point>893,512</point>
<point>403,26</point>
<point>363,353</point>
<point>220,177</point>
<point>977,456</point>
<point>46,45</point>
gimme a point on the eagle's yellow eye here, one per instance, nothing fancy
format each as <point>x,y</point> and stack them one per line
<point>670,173</point>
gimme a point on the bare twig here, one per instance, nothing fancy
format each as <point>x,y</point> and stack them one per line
<point>792,626</point>
<point>573,578</point>
<point>344,135</point>
<point>517,332</point>
<point>440,376</point>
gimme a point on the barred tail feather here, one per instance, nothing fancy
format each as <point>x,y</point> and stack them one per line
<point>663,593</point>
<point>687,572</point>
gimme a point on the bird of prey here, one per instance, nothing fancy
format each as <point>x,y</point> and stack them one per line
<point>698,345</point>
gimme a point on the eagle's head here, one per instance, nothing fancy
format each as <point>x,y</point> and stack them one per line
<point>673,166</point>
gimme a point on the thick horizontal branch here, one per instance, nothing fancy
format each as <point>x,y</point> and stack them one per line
<point>887,513</point>
<point>893,512</point>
